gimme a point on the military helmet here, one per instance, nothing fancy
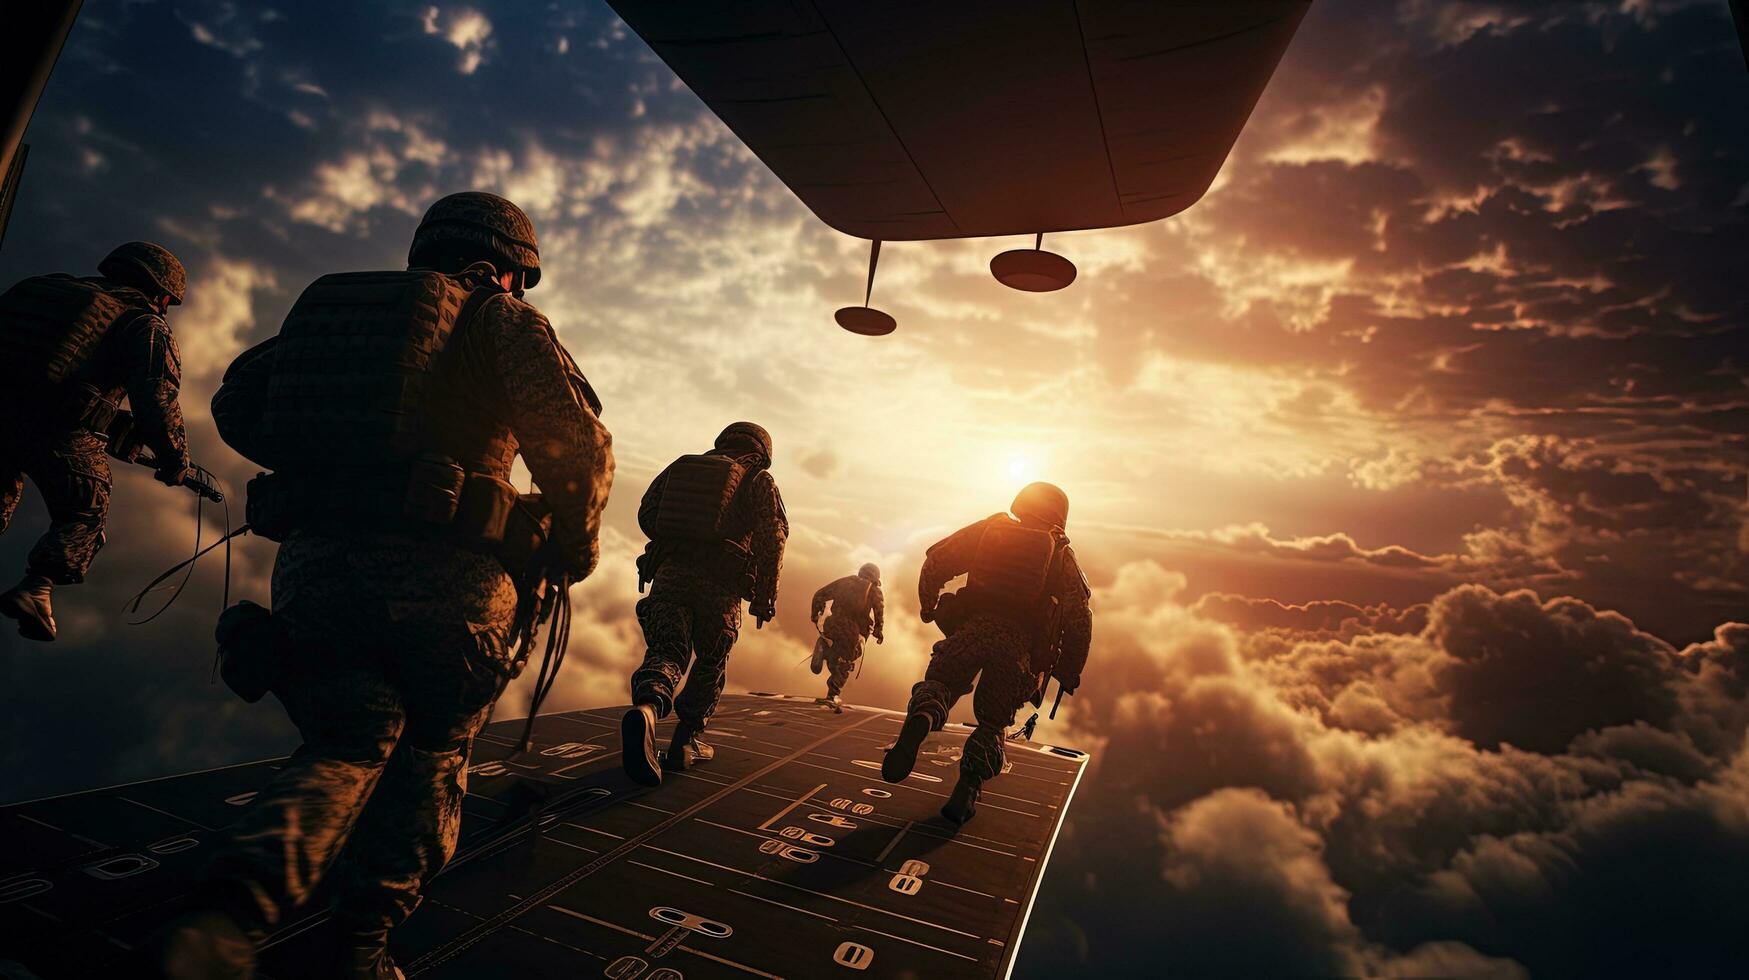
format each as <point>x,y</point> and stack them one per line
<point>870,571</point>
<point>1043,503</point>
<point>143,265</point>
<point>487,220</point>
<point>745,435</point>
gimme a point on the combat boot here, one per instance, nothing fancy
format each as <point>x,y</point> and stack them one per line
<point>964,801</point>
<point>834,702</point>
<point>365,955</point>
<point>686,750</point>
<point>28,602</point>
<point>902,757</point>
<point>208,944</point>
<point>637,740</point>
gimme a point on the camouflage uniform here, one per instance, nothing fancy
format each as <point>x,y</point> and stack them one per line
<point>998,646</point>
<point>693,615</point>
<point>70,468</point>
<point>399,645</point>
<point>858,609</point>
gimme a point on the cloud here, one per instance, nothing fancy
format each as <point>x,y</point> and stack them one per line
<point>217,318</point>
<point>465,28</point>
<point>1385,801</point>
<point>1317,617</point>
<point>822,464</point>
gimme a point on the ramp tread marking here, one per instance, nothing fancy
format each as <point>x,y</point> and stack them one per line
<point>455,946</point>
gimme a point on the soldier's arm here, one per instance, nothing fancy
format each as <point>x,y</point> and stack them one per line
<point>947,558</point>
<point>567,449</point>
<point>1077,624</point>
<point>878,604</point>
<point>154,379</point>
<point>770,533</point>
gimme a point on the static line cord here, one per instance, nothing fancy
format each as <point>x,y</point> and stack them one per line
<point>206,487</point>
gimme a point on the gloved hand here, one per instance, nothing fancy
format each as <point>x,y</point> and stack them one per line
<point>764,610</point>
<point>173,472</point>
<point>927,614</point>
<point>879,638</point>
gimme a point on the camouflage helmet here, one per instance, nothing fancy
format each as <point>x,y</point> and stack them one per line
<point>870,571</point>
<point>745,435</point>
<point>479,218</point>
<point>1041,503</point>
<point>143,265</point>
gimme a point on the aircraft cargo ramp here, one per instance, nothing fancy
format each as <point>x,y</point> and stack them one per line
<point>786,856</point>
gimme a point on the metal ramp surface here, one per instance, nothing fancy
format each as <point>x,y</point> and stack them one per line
<point>786,856</point>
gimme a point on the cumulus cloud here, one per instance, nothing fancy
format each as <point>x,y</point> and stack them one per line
<point>1355,806</point>
<point>468,30</point>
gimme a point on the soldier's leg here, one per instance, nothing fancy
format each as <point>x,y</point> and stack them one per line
<point>846,653</point>
<point>952,666</point>
<point>697,700</point>
<point>276,854</point>
<point>1006,684</point>
<point>408,829</point>
<point>667,629</point>
<point>74,482</point>
<point>822,650</point>
<point>669,633</point>
<point>11,492</point>
<point>840,675</point>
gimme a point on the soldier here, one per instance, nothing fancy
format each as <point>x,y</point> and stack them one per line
<point>390,408</point>
<point>1022,618</point>
<point>717,529</point>
<point>69,350</point>
<point>858,608</point>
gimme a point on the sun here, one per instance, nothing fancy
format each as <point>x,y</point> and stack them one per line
<point>1022,469</point>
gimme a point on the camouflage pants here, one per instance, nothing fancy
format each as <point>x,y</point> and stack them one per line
<point>399,649</point>
<point>1002,651</point>
<point>682,626</point>
<point>844,653</point>
<point>73,477</point>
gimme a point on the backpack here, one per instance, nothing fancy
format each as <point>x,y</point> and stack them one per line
<point>353,366</point>
<point>697,499</point>
<point>1013,563</point>
<point>50,326</point>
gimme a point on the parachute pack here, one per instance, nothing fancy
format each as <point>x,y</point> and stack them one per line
<point>50,325</point>
<point>1013,563</point>
<point>696,502</point>
<point>352,367</point>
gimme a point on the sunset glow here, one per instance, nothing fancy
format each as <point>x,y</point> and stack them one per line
<point>1407,467</point>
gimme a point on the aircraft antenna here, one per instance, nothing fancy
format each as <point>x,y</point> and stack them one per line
<point>865,319</point>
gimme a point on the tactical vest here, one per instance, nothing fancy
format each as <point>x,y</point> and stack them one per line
<point>1012,566</point>
<point>349,420</point>
<point>51,325</point>
<point>697,500</point>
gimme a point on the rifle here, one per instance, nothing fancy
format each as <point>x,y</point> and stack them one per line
<point>123,446</point>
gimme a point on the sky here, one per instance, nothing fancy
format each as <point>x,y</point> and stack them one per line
<point>1408,467</point>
